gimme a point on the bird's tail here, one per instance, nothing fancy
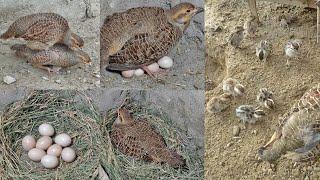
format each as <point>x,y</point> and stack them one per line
<point>8,34</point>
<point>22,51</point>
<point>170,157</point>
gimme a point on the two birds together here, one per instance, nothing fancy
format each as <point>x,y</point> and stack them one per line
<point>130,40</point>
<point>264,47</point>
<point>247,113</point>
<point>51,45</point>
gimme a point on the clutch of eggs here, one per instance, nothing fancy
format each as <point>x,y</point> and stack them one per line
<point>165,63</point>
<point>45,151</point>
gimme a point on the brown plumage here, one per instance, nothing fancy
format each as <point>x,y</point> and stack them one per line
<point>141,36</point>
<point>138,139</point>
<point>43,30</point>
<point>299,135</point>
<point>52,59</point>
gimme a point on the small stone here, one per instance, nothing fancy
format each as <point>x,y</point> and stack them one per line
<point>45,78</point>
<point>58,81</point>
<point>229,144</point>
<point>255,132</point>
<point>9,79</point>
<point>97,75</point>
<point>236,131</point>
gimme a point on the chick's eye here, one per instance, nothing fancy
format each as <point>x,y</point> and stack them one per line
<point>188,10</point>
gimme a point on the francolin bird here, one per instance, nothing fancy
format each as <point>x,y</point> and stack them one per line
<point>43,30</point>
<point>138,139</point>
<point>139,37</point>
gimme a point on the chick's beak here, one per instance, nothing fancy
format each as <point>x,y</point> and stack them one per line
<point>199,10</point>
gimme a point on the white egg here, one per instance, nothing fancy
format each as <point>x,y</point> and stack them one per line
<point>127,74</point>
<point>44,142</point>
<point>36,154</point>
<point>68,154</point>
<point>46,129</point>
<point>63,140</point>
<point>49,161</point>
<point>55,150</point>
<point>138,72</point>
<point>154,67</point>
<point>28,142</point>
<point>165,62</point>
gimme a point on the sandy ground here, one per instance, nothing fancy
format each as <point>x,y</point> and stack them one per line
<point>188,56</point>
<point>229,158</point>
<point>77,77</point>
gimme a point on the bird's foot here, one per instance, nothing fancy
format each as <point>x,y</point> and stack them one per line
<point>158,73</point>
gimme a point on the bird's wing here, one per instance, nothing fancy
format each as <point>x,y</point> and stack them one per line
<point>128,143</point>
<point>144,49</point>
<point>43,31</point>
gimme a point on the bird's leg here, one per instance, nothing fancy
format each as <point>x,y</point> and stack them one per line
<point>274,137</point>
<point>160,72</point>
<point>253,9</point>
<point>146,69</point>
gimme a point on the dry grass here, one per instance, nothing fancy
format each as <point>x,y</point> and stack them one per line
<point>67,112</point>
<point>120,166</point>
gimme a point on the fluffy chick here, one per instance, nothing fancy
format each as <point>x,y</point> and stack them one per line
<point>232,86</point>
<point>248,113</point>
<point>220,103</point>
<point>264,98</point>
<point>292,49</point>
<point>263,50</point>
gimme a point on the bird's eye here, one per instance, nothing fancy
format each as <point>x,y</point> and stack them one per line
<point>188,10</point>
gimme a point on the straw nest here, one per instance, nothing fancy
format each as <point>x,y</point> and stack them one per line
<point>120,166</point>
<point>71,113</point>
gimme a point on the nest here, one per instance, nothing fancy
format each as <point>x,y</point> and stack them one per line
<point>121,166</point>
<point>70,113</point>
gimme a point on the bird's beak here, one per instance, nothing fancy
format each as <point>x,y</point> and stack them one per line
<point>199,10</point>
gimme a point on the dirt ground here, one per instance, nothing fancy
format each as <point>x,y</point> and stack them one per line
<point>77,77</point>
<point>188,56</point>
<point>225,156</point>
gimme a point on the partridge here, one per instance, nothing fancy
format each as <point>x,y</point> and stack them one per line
<point>299,135</point>
<point>43,30</point>
<point>56,57</point>
<point>141,36</point>
<point>138,139</point>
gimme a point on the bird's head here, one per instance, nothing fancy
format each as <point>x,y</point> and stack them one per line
<point>73,41</point>
<point>84,57</point>
<point>124,117</point>
<point>183,13</point>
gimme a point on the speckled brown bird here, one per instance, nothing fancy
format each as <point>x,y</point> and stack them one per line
<point>299,135</point>
<point>43,30</point>
<point>138,139</point>
<point>141,36</point>
<point>56,57</point>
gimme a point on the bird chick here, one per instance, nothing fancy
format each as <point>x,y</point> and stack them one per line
<point>236,37</point>
<point>220,103</point>
<point>263,50</point>
<point>264,98</point>
<point>232,86</point>
<point>248,113</point>
<point>291,49</point>
<point>250,26</point>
